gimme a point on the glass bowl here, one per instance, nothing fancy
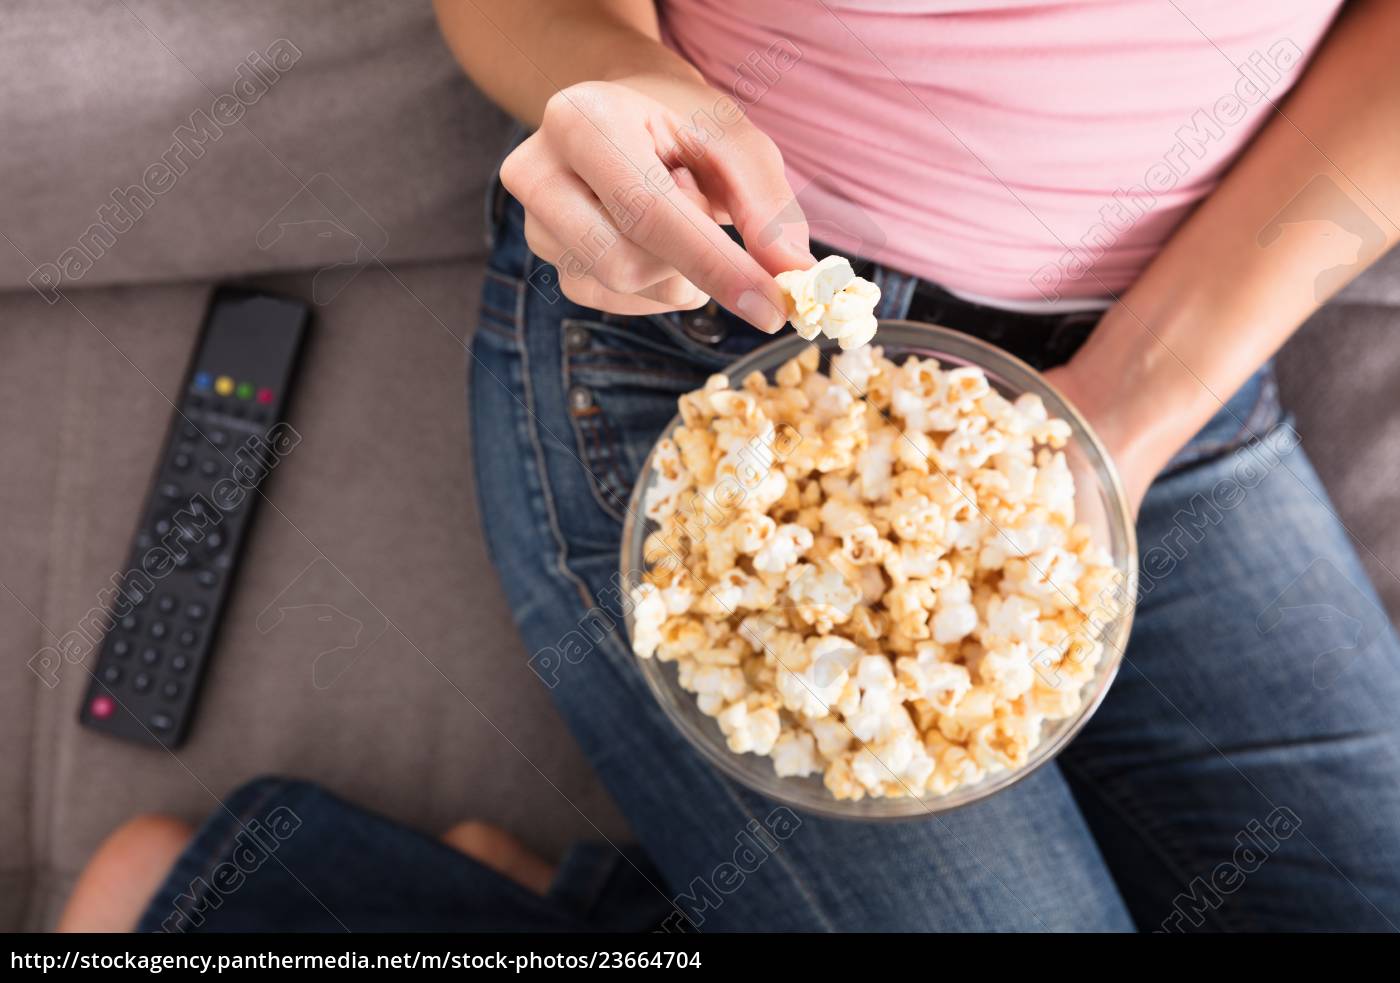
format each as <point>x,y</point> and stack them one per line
<point>1099,503</point>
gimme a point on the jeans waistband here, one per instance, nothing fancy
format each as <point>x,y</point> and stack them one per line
<point>1041,340</point>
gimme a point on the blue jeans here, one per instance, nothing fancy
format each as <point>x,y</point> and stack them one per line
<point>281,855</point>
<point>1243,773</point>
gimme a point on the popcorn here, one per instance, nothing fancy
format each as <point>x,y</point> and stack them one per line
<point>783,549</point>
<point>750,730</point>
<point>795,755</point>
<point>882,578</point>
<point>821,596</point>
<point>830,299</point>
<point>672,479</point>
<point>648,615</point>
<point>956,618</point>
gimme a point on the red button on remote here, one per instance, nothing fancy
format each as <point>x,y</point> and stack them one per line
<point>264,395</point>
<point>101,707</point>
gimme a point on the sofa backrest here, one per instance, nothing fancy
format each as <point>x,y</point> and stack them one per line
<point>164,140</point>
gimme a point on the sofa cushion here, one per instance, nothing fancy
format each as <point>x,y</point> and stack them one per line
<point>367,645</point>
<point>161,140</point>
<point>1338,375</point>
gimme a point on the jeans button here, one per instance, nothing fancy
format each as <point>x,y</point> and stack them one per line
<point>705,325</point>
<point>580,399</point>
<point>576,338</point>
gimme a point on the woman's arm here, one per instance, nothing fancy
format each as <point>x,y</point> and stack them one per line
<point>520,54</point>
<point>1232,284</point>
<point>635,162</point>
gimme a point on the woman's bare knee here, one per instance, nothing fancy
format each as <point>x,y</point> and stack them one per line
<point>502,852</point>
<point>124,873</point>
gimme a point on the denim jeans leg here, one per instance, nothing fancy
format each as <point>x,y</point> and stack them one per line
<point>1244,771</point>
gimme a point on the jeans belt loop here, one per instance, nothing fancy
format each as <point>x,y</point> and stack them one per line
<point>896,292</point>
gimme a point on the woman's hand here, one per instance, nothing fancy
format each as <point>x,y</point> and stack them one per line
<point>626,184</point>
<point>1136,455</point>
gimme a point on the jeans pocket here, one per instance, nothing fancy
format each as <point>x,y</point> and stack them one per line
<point>621,378</point>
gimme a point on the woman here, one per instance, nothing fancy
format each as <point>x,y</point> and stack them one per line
<point>1188,180</point>
<point>1024,172</point>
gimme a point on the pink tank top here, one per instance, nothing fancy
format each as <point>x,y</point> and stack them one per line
<point>1018,151</point>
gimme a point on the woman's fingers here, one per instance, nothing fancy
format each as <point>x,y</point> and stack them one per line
<point>667,288</point>
<point>677,292</point>
<point>633,226</point>
<point>743,175</point>
<point>565,225</point>
<point>670,293</point>
<point>617,159</point>
<point>588,292</point>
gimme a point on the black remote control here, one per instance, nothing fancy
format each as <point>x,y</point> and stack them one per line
<point>225,435</point>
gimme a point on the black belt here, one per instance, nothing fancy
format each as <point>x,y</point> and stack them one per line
<point>1041,340</point>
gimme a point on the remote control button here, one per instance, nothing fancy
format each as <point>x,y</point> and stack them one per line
<point>141,682</point>
<point>150,656</point>
<point>130,623</point>
<point>208,578</point>
<point>218,438</point>
<point>203,380</point>
<point>196,611</point>
<point>189,431</point>
<point>171,490</point>
<point>209,467</point>
<point>162,526</point>
<point>171,690</point>
<point>264,395</point>
<point>166,604</point>
<point>215,541</point>
<point>179,662</point>
<point>144,540</point>
<point>161,721</point>
<point>159,629</point>
<point>188,637</point>
<point>223,385</point>
<point>102,707</point>
<point>112,675</point>
<point>121,648</point>
<point>180,462</point>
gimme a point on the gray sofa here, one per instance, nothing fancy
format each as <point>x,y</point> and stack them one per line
<point>415,698</point>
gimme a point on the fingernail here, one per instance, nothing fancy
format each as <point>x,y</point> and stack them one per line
<point>759,311</point>
<point>800,250</point>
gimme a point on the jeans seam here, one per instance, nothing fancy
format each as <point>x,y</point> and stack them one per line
<point>202,882</point>
<point>734,795</point>
<point>602,432</point>
<point>1170,850</point>
<point>547,498</point>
